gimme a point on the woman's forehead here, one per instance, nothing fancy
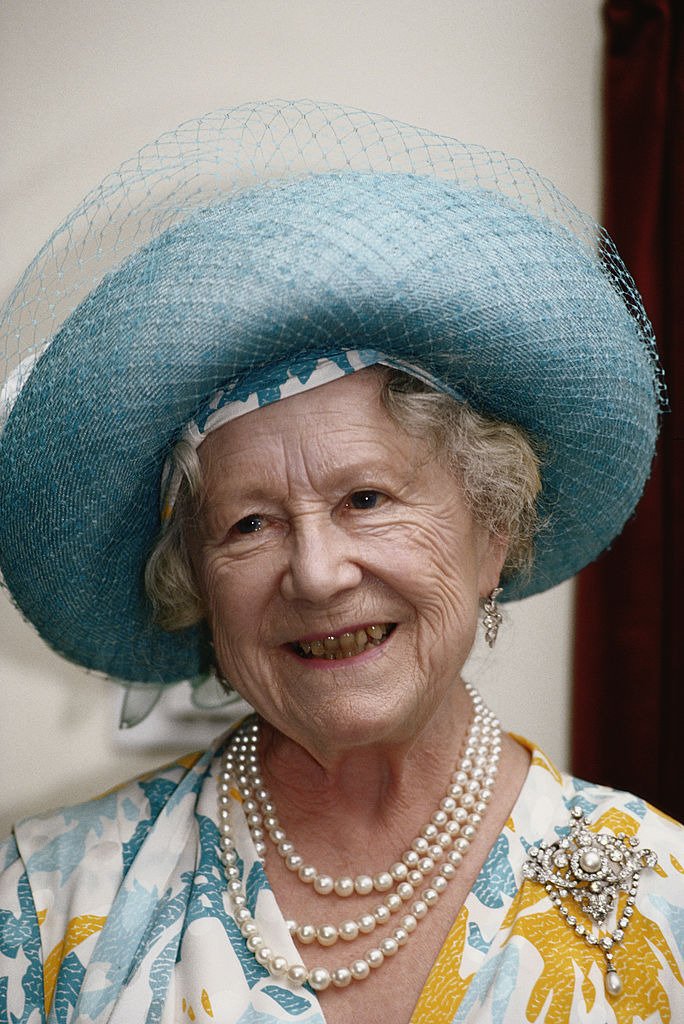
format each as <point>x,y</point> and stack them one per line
<point>348,405</point>
<point>325,444</point>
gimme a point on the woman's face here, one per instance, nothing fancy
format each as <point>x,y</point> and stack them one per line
<point>324,520</point>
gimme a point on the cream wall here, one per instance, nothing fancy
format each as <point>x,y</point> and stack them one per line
<point>84,83</point>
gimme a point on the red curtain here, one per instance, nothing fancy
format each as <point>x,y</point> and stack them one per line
<point>628,719</point>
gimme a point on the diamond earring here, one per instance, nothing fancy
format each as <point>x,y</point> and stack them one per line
<point>492,618</point>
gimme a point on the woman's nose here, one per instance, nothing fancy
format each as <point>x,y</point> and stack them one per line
<point>321,563</point>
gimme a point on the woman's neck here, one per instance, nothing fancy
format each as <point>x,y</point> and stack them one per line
<point>381,793</point>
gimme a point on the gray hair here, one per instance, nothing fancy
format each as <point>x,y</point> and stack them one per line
<point>495,463</point>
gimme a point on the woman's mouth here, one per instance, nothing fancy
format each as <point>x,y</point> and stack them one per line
<point>346,644</point>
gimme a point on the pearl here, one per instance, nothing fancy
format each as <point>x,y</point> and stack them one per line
<point>307,873</point>
<point>255,942</point>
<point>324,884</point>
<point>278,966</point>
<point>375,957</point>
<point>398,871</point>
<point>326,934</point>
<point>344,886</point>
<point>263,955</point>
<point>341,977</point>
<point>363,884</point>
<point>319,978</point>
<point>389,946</point>
<point>360,969</point>
<point>383,881</point>
<point>297,974</point>
<point>393,902</point>
<point>381,914</point>
<point>590,861</point>
<point>401,936</point>
<point>613,983</point>
<point>420,909</point>
<point>306,933</point>
<point>348,930</point>
<point>409,922</point>
<point>405,891</point>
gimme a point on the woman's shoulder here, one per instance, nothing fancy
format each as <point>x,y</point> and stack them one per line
<point>61,871</point>
<point>614,809</point>
<point>61,839</point>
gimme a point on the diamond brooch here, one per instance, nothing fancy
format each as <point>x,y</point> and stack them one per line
<point>590,870</point>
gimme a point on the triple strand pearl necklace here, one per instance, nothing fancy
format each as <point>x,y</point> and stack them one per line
<point>431,860</point>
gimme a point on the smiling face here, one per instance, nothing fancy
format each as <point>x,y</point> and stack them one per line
<point>339,567</point>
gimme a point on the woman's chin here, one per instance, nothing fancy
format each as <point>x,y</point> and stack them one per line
<point>380,696</point>
<point>353,715</point>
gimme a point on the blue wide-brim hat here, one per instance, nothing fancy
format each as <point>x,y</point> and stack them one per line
<point>295,230</point>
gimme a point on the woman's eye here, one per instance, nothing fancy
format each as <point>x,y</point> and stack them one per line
<point>250,524</point>
<point>366,499</point>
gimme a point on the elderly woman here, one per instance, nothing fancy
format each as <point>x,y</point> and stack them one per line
<point>368,401</point>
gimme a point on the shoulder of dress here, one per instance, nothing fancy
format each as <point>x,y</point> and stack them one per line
<point>61,839</point>
<point>616,811</point>
<point>610,809</point>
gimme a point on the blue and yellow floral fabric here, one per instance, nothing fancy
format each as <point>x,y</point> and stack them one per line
<point>114,911</point>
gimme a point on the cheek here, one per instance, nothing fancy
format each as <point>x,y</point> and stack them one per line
<point>435,573</point>
<point>235,596</point>
<point>435,562</point>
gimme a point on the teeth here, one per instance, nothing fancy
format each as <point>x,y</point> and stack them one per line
<point>334,648</point>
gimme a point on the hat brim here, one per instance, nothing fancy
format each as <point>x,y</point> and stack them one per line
<point>507,309</point>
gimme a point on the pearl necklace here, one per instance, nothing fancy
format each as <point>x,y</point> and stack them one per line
<point>437,852</point>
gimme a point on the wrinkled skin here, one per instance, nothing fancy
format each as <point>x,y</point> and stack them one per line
<point>284,552</point>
